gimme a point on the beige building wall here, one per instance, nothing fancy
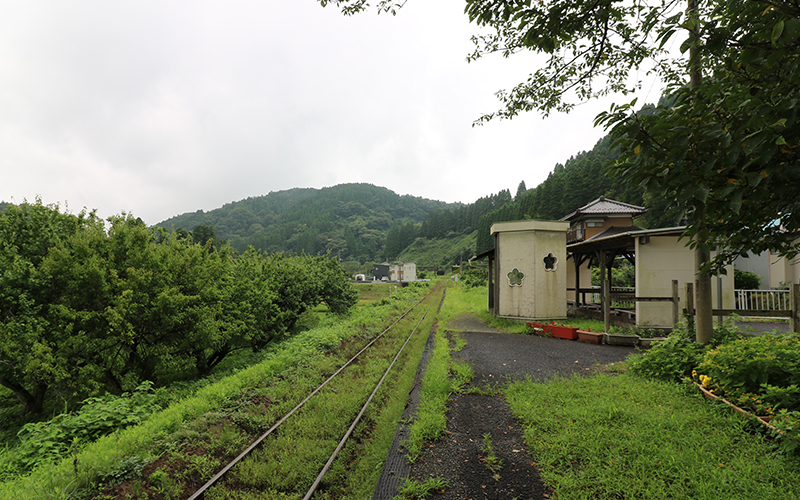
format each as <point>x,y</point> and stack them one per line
<point>660,261</point>
<point>586,279</point>
<point>408,271</point>
<point>782,270</point>
<point>523,245</point>
<point>403,271</point>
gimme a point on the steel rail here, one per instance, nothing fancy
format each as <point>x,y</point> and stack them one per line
<point>199,494</point>
<point>363,409</point>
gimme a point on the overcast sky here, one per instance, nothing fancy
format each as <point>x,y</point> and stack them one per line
<point>159,108</point>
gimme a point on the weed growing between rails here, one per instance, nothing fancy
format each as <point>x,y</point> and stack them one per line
<point>430,421</point>
<point>626,437</point>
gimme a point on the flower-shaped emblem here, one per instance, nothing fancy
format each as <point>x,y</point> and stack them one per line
<point>550,262</point>
<point>515,277</point>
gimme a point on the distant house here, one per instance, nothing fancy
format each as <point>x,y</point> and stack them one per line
<point>598,216</point>
<point>399,271</point>
<point>381,271</point>
<point>403,271</point>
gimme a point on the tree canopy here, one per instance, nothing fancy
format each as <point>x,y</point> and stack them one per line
<point>351,221</point>
<point>724,150</point>
<point>87,307</point>
<point>727,150</point>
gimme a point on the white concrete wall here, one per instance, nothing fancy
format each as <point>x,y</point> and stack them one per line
<point>773,269</point>
<point>659,262</point>
<point>409,271</point>
<point>523,245</point>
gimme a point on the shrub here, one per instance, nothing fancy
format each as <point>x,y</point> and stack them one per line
<point>622,274</point>
<point>669,360</point>
<point>474,276</point>
<point>788,425</point>
<point>674,359</point>
<point>746,280</point>
<point>766,367</point>
<point>46,441</point>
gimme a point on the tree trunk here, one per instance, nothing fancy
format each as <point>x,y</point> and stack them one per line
<point>32,402</point>
<point>702,255</point>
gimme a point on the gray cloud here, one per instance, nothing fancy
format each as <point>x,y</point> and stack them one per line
<point>159,108</point>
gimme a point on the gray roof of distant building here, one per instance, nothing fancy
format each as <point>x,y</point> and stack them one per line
<point>603,206</point>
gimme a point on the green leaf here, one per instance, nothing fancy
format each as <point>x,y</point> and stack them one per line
<point>736,201</point>
<point>777,30</point>
<point>701,192</point>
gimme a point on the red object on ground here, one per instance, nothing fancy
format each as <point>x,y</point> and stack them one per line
<point>564,332</point>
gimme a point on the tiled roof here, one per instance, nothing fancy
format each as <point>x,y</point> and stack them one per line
<point>602,206</point>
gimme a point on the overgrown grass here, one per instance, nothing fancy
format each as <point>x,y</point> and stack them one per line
<point>289,463</point>
<point>415,490</point>
<point>123,454</point>
<point>474,300</point>
<point>442,377</point>
<point>624,437</point>
<point>461,300</point>
<point>434,252</point>
<point>430,421</point>
<point>369,293</point>
<point>365,472</point>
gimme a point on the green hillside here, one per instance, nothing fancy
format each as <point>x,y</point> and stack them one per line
<point>572,185</point>
<point>347,220</point>
<point>362,223</point>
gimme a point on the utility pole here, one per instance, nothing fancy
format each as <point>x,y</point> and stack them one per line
<point>704,326</point>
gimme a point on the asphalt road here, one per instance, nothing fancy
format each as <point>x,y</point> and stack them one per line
<point>498,357</point>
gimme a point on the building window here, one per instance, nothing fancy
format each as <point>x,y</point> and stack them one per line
<point>515,277</point>
<point>550,262</point>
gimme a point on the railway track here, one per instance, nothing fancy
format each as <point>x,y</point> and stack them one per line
<point>321,404</point>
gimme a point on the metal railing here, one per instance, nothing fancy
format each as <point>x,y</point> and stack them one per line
<point>618,302</point>
<point>766,300</point>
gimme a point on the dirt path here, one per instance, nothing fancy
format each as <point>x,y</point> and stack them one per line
<point>496,359</point>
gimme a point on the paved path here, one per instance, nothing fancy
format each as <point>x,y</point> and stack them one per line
<point>496,358</point>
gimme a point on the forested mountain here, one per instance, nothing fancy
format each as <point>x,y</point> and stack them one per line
<point>350,221</point>
<point>572,185</point>
<point>362,223</point>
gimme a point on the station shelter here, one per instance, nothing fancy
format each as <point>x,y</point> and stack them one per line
<point>538,269</point>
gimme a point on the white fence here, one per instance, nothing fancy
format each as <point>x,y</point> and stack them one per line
<point>619,303</point>
<point>764,300</point>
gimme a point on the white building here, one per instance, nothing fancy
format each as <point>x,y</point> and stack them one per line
<point>403,271</point>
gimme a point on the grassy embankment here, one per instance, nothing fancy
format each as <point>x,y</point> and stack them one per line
<point>435,252</point>
<point>179,448</point>
<point>614,435</point>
